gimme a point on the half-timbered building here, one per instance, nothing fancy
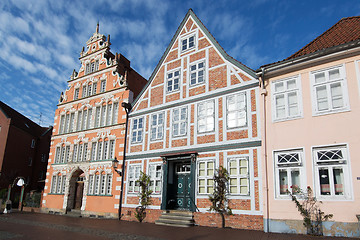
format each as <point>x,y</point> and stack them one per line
<point>198,111</point>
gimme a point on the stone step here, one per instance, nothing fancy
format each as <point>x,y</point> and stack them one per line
<point>177,213</point>
<point>73,213</point>
<point>176,218</point>
<point>173,224</point>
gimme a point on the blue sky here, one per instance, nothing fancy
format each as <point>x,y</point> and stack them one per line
<point>41,40</point>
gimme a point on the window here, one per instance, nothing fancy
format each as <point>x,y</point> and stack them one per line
<point>137,130</point>
<point>94,88</point>
<point>103,86</point>
<point>286,99</point>
<point>102,115</point>
<point>62,123</point>
<point>187,43</point>
<point>57,155</point>
<point>106,114</point>
<point>239,175</point>
<point>84,92</point>
<point>30,161</point>
<point>80,152</point>
<point>67,154</point>
<point>33,143</point>
<point>72,121</point>
<point>92,67</point>
<point>62,154</point>
<point>100,184</point>
<point>206,177</point>
<point>173,81</point>
<point>58,184</point>
<point>43,157</point>
<point>97,117</point>
<point>157,126</point>
<point>331,172</point>
<point>289,168</point>
<point>67,123</point>
<point>133,177</point>
<point>155,178</point>
<point>76,93</point>
<point>84,119</point>
<point>104,150</point>
<point>329,90</point>
<point>197,73</point>
<point>206,116</point>
<point>236,110</point>
<point>179,121</point>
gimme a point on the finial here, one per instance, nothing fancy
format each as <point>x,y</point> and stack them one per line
<point>108,38</point>
<point>97,27</point>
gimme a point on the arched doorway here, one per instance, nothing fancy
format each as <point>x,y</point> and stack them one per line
<point>76,190</point>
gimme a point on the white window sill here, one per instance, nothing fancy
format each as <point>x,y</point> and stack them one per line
<point>315,114</point>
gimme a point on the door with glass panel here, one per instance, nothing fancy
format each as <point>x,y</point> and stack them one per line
<point>183,186</point>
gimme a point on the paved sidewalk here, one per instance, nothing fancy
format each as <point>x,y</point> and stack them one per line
<point>24,225</point>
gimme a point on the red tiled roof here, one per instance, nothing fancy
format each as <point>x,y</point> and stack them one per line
<point>344,31</point>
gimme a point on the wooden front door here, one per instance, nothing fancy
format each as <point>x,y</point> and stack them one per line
<point>183,186</point>
<point>79,189</point>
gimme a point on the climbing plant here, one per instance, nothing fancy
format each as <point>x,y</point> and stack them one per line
<point>218,199</point>
<point>144,196</point>
<point>310,210</point>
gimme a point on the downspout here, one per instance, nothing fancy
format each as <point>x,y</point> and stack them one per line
<point>127,107</point>
<point>264,93</point>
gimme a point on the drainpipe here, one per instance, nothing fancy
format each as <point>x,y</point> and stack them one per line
<point>127,108</point>
<point>264,93</point>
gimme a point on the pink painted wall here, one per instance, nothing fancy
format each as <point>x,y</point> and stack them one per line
<point>311,131</point>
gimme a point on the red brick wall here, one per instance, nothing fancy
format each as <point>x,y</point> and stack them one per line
<point>243,221</point>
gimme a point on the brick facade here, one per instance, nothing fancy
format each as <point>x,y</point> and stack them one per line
<point>89,133</point>
<point>195,139</point>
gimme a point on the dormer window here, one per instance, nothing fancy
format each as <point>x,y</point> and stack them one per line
<point>92,67</point>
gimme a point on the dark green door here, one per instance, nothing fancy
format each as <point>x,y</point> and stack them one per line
<point>183,186</point>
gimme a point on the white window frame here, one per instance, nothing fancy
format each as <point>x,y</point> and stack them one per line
<point>58,184</point>
<point>138,131</point>
<point>155,174</point>
<point>205,176</point>
<point>178,120</point>
<point>133,177</point>
<point>327,84</point>
<point>331,165</point>
<point>84,91</point>
<point>157,126</point>
<point>185,43</point>
<point>103,86</point>
<point>286,93</point>
<point>195,73</point>
<point>207,118</point>
<point>76,93</point>
<point>238,176</point>
<point>239,110</point>
<point>62,124</point>
<point>171,79</point>
<point>287,161</point>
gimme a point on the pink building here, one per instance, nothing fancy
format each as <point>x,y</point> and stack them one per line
<point>311,103</point>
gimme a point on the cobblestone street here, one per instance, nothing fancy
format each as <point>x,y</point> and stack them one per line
<point>43,226</point>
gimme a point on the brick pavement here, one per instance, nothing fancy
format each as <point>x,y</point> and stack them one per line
<point>24,225</point>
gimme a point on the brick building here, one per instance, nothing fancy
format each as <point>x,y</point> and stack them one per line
<point>311,133</point>
<point>198,111</point>
<point>89,133</point>
<point>24,150</point>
